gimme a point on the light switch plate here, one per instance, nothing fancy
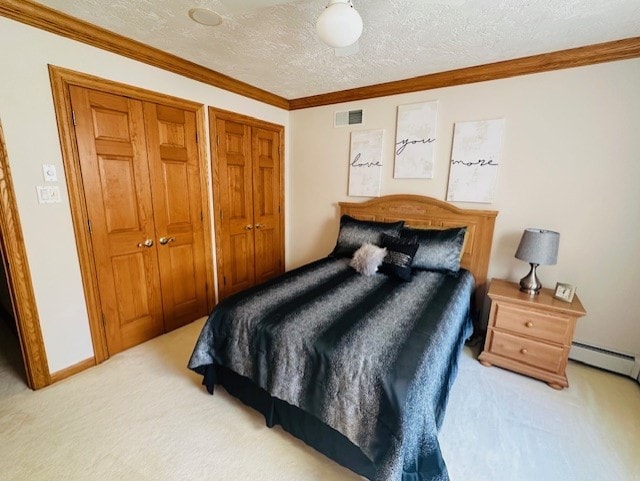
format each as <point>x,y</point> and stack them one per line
<point>50,173</point>
<point>48,194</point>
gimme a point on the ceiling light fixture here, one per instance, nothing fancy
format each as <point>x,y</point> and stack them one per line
<point>340,25</point>
<point>205,17</point>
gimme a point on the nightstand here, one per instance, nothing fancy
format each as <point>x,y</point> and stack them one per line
<point>530,335</point>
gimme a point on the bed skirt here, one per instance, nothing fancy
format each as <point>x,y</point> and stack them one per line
<point>292,419</point>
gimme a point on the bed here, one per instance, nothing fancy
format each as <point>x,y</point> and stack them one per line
<point>359,364</point>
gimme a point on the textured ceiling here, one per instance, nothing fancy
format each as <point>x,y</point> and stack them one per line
<point>275,47</point>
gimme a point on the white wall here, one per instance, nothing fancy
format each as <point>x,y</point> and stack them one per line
<point>570,162</point>
<point>28,119</point>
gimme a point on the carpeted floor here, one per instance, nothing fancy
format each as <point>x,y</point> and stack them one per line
<point>143,416</point>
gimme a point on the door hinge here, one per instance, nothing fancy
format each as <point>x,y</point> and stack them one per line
<point>104,321</point>
<point>73,117</point>
<point>89,225</point>
<point>201,216</point>
<point>217,140</point>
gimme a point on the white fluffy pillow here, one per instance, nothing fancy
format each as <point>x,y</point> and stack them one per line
<point>367,259</point>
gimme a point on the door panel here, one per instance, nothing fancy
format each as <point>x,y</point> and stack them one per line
<point>239,271</point>
<point>266,203</point>
<point>175,176</point>
<point>177,199</point>
<point>111,146</point>
<point>185,290</point>
<point>128,273</point>
<point>117,181</point>
<point>235,230</point>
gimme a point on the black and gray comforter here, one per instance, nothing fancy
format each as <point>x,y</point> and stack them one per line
<point>371,357</point>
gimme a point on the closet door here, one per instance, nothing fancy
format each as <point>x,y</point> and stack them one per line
<point>112,148</point>
<point>233,180</point>
<point>142,188</point>
<point>247,190</point>
<point>269,260</point>
<point>178,212</point>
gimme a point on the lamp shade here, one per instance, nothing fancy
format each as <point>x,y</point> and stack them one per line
<point>340,25</point>
<point>539,246</point>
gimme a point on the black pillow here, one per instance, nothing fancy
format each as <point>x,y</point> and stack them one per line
<point>399,256</point>
<point>353,233</point>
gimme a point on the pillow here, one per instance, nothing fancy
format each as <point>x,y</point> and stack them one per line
<point>399,257</point>
<point>353,233</point>
<point>439,249</point>
<point>367,259</point>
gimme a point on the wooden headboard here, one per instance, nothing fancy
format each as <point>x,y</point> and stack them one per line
<point>423,212</point>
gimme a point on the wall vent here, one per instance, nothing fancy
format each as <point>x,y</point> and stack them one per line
<point>605,359</point>
<point>348,117</point>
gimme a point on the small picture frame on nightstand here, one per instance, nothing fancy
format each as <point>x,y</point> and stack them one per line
<point>564,292</point>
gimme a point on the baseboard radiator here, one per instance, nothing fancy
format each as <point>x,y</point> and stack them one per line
<point>605,359</point>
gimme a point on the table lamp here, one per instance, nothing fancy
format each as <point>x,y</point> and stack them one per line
<point>537,246</point>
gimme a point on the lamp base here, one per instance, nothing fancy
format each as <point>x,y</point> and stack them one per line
<point>530,283</point>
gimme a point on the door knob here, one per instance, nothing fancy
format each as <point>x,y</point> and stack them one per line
<point>248,227</point>
<point>146,243</point>
<point>166,240</point>
<point>260,226</point>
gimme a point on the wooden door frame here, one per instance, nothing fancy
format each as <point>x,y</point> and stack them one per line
<point>19,280</point>
<point>214,114</point>
<point>61,79</point>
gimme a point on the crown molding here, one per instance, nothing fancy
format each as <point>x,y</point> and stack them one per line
<point>575,57</point>
<point>44,18</point>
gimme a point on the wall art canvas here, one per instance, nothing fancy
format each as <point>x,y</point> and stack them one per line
<point>415,140</point>
<point>475,158</point>
<point>365,163</point>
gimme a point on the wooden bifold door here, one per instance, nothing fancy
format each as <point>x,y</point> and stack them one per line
<point>141,177</point>
<point>248,199</point>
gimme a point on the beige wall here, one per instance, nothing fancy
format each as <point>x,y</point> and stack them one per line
<point>28,119</point>
<point>570,162</point>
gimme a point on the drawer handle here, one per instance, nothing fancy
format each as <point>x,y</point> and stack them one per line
<point>523,350</point>
<point>529,324</point>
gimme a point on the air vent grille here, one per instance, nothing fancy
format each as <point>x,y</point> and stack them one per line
<point>348,117</point>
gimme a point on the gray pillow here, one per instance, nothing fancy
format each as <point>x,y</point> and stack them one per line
<point>353,233</point>
<point>439,249</point>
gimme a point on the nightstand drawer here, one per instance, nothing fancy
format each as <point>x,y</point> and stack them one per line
<point>527,351</point>
<point>532,323</point>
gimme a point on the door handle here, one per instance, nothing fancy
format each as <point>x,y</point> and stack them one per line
<point>146,243</point>
<point>260,226</point>
<point>166,240</point>
<point>248,227</point>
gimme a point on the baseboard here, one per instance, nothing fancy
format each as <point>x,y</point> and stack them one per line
<point>605,359</point>
<point>71,370</point>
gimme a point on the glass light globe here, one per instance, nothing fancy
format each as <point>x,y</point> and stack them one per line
<point>340,25</point>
